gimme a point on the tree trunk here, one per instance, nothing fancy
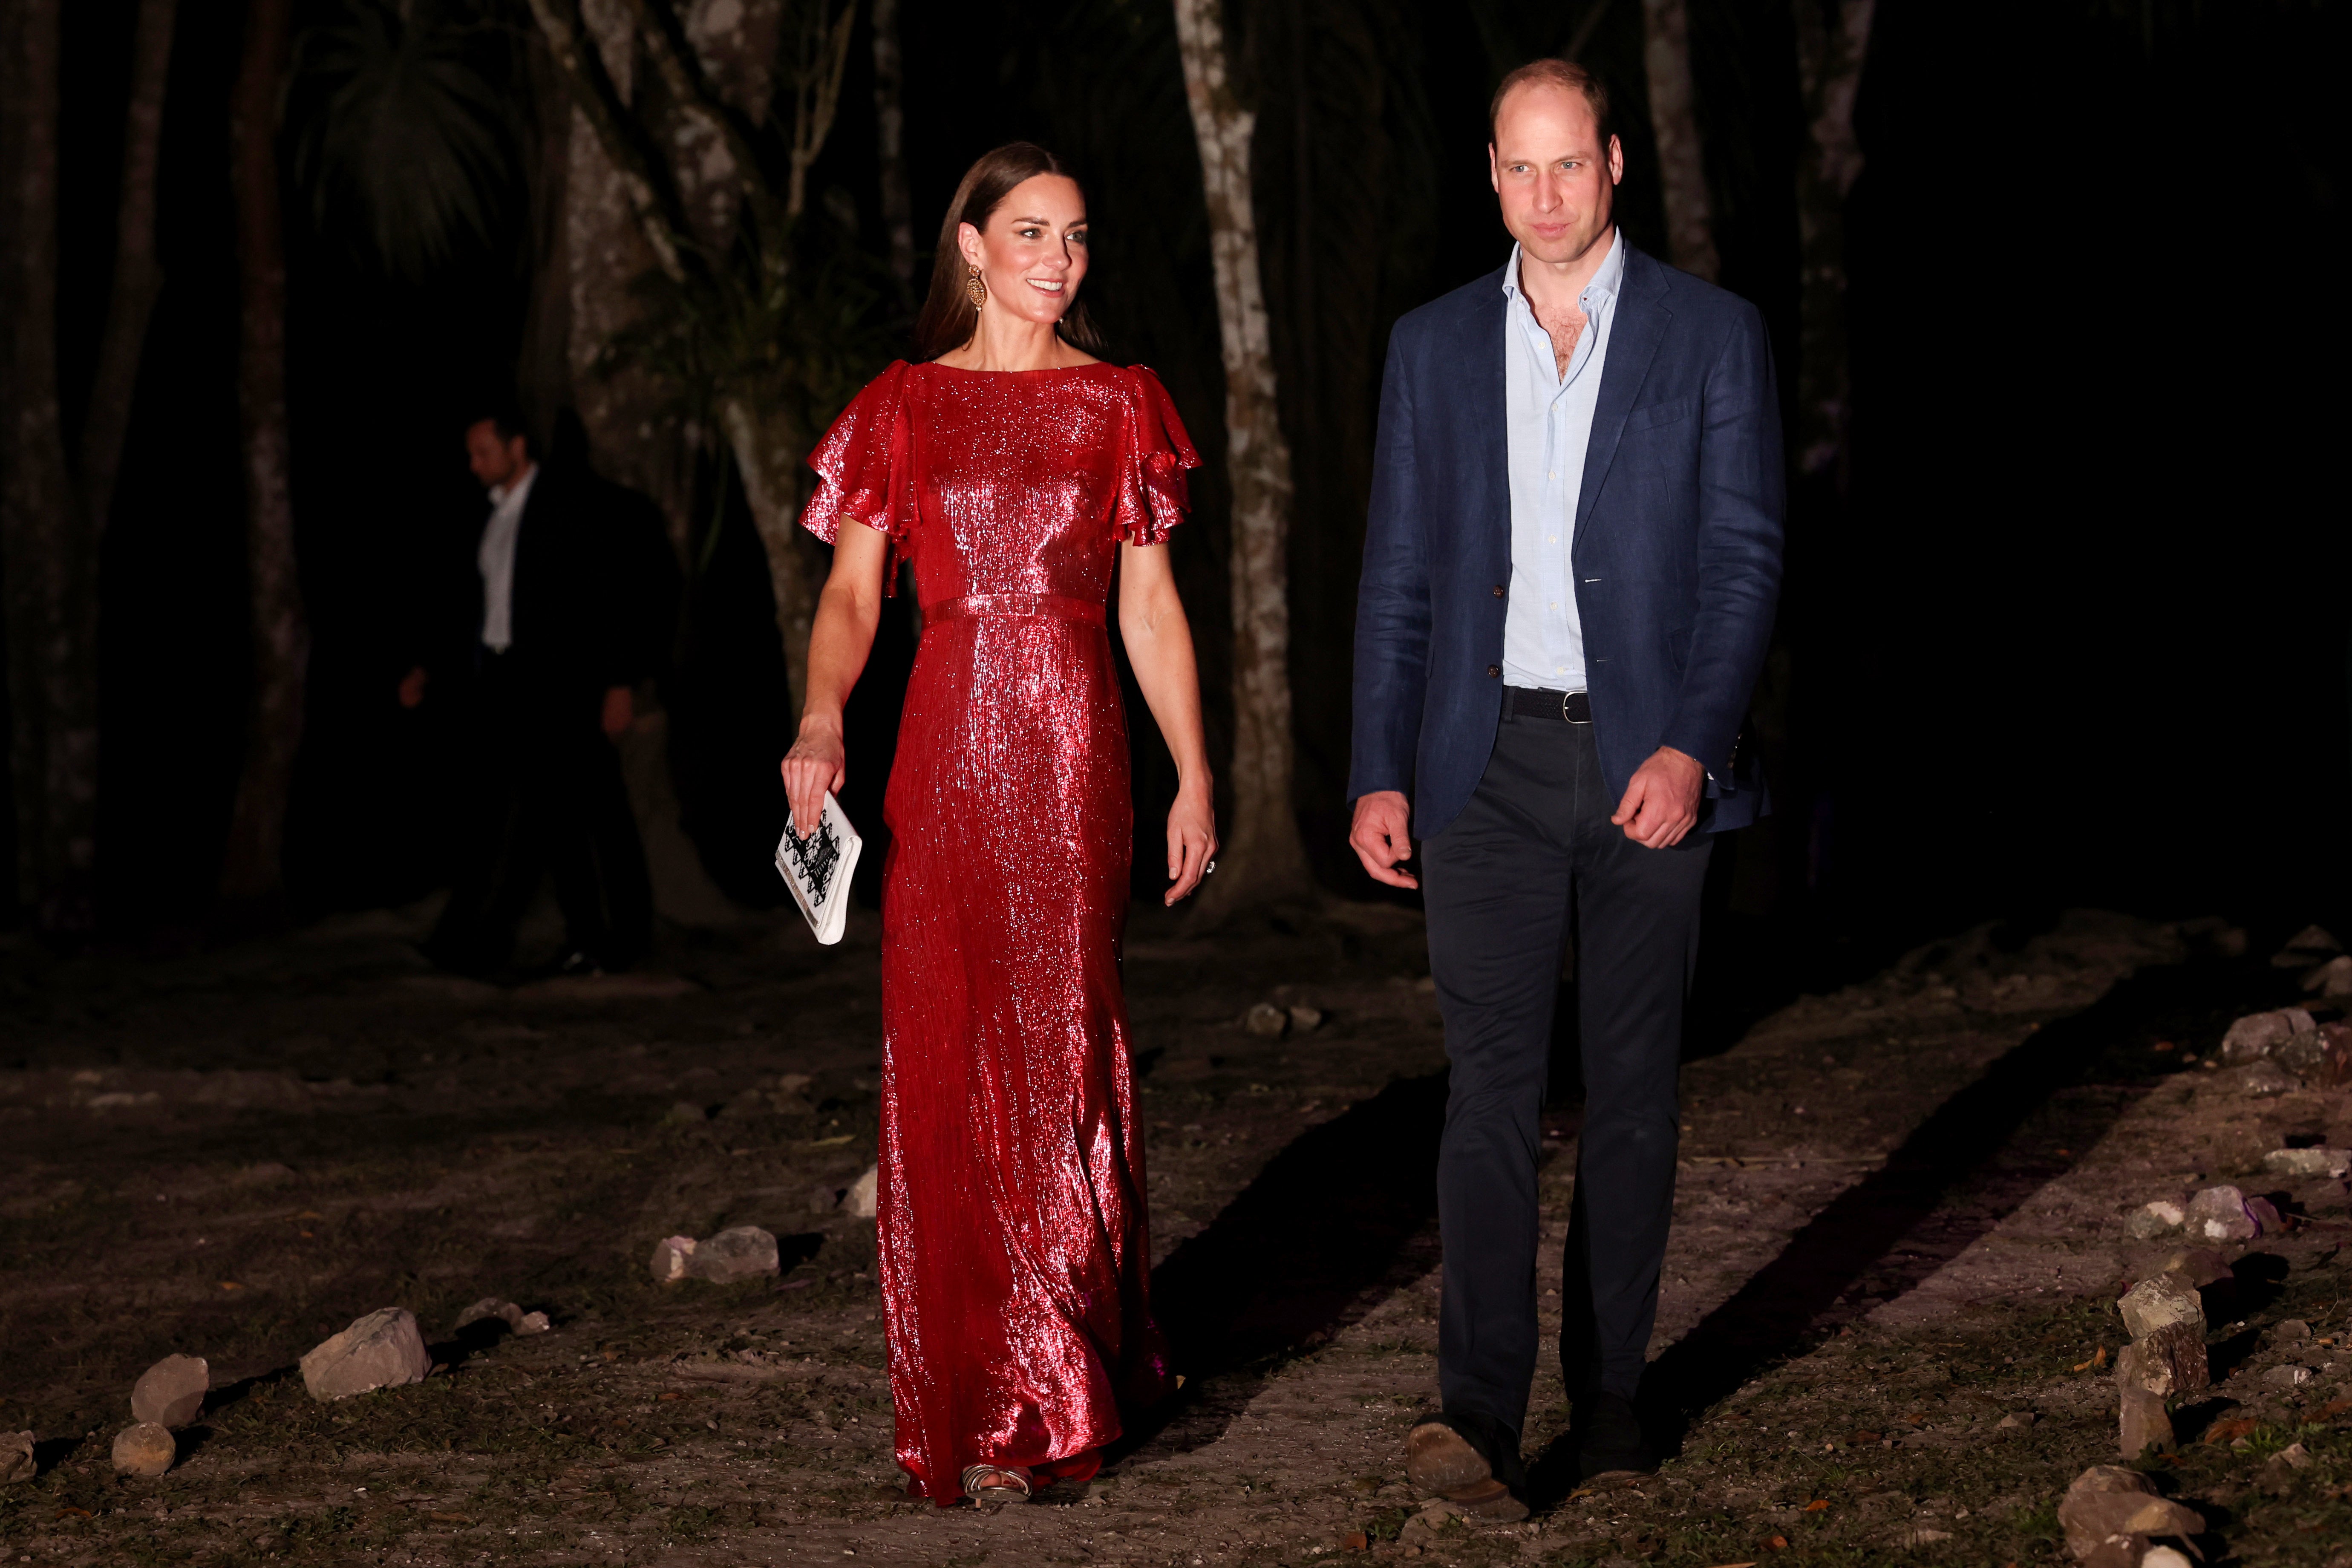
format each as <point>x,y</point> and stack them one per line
<point>605,251</point>
<point>1681,168</point>
<point>252,869</point>
<point>890,136</point>
<point>52,684</point>
<point>772,459</point>
<point>138,279</point>
<point>1263,859</point>
<point>1833,38</point>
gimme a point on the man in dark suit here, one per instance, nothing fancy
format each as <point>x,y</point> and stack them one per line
<point>1570,570</point>
<point>574,590</point>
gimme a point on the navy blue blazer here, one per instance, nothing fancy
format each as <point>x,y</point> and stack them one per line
<point>1676,554</point>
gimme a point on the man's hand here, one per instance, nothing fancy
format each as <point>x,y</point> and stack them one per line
<point>412,687</point>
<point>1661,802</point>
<point>1383,836</point>
<point>620,711</point>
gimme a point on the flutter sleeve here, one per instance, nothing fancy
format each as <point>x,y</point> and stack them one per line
<point>1153,496</point>
<point>862,468</point>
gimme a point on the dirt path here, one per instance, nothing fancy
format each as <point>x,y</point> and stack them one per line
<point>1900,1228</point>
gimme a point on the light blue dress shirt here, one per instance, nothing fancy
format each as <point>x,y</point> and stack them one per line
<point>1550,422</point>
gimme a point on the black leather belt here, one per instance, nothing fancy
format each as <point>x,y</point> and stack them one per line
<point>1521,702</point>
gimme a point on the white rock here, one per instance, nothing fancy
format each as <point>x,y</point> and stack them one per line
<point>382,1350</point>
<point>145,1450</point>
<point>532,1323</point>
<point>2219,1214</point>
<point>172,1392</point>
<point>2150,1220</point>
<point>735,1254</point>
<point>2256,1034</point>
<point>1306,1019</point>
<point>16,1462</point>
<point>859,1204</point>
<point>671,1255</point>
<point>2163,1557</point>
<point>2309,1162</point>
<point>2294,1457</point>
<point>2288,1376</point>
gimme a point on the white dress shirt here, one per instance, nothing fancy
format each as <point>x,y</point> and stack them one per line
<point>1548,419</point>
<point>497,560</point>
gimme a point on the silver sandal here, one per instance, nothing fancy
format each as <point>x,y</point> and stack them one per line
<point>991,1486</point>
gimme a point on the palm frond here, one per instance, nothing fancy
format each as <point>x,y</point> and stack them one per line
<point>404,143</point>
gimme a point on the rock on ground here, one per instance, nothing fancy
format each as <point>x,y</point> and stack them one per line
<point>16,1462</point>
<point>2257,1034</point>
<point>736,1254</point>
<point>172,1392</point>
<point>671,1254</point>
<point>860,1201</point>
<point>2160,1219</point>
<point>2109,1500</point>
<point>507,1312</point>
<point>2307,945</point>
<point>2309,1162</point>
<point>2168,1362</point>
<point>382,1350</point>
<point>1267,1021</point>
<point>2159,1302</point>
<point>146,1449</point>
<point>2265,1079</point>
<point>2143,1424</point>
<point>2219,1214</point>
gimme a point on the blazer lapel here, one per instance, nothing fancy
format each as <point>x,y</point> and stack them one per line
<point>1634,339</point>
<point>1490,411</point>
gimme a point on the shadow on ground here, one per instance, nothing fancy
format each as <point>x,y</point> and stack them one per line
<point>1944,1188</point>
<point>1323,1233</point>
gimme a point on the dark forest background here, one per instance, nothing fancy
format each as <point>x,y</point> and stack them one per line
<point>2075,633</point>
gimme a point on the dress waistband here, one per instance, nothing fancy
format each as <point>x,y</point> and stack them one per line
<point>1057,604</point>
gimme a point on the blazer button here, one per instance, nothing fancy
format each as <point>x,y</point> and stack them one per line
<point>1498,590</point>
<point>1493,670</point>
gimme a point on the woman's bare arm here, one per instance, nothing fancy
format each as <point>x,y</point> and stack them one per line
<point>1160,646</point>
<point>847,614</point>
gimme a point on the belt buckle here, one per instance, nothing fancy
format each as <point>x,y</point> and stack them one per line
<point>1563,707</point>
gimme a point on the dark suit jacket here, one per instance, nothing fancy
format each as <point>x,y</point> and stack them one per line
<point>595,589</point>
<point>1676,554</point>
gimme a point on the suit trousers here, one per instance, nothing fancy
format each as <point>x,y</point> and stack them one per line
<point>1533,854</point>
<point>548,799</point>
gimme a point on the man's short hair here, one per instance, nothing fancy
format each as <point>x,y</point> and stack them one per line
<point>504,415</point>
<point>1568,76</point>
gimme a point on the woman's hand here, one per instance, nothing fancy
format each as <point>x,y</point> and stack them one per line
<point>1191,840</point>
<point>817,762</point>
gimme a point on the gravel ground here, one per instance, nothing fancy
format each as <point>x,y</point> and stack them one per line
<point>1886,1329</point>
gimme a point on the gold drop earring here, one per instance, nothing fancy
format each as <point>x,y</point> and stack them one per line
<point>974,289</point>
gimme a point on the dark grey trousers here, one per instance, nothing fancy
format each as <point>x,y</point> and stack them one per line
<point>1533,851</point>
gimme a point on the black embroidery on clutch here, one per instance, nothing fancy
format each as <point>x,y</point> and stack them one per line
<point>816,856</point>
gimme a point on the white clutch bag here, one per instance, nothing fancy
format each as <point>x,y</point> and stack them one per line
<point>818,869</point>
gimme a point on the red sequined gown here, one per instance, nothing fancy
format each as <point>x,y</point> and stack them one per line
<point>1015,1256</point>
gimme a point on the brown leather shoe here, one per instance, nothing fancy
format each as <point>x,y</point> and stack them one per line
<point>1437,1458</point>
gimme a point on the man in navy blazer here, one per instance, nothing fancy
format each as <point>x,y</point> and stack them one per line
<point>1570,569</point>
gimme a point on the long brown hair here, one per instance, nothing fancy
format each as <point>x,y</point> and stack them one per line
<point>948,318</point>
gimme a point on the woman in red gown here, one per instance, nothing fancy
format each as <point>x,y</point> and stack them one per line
<point>1021,478</point>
